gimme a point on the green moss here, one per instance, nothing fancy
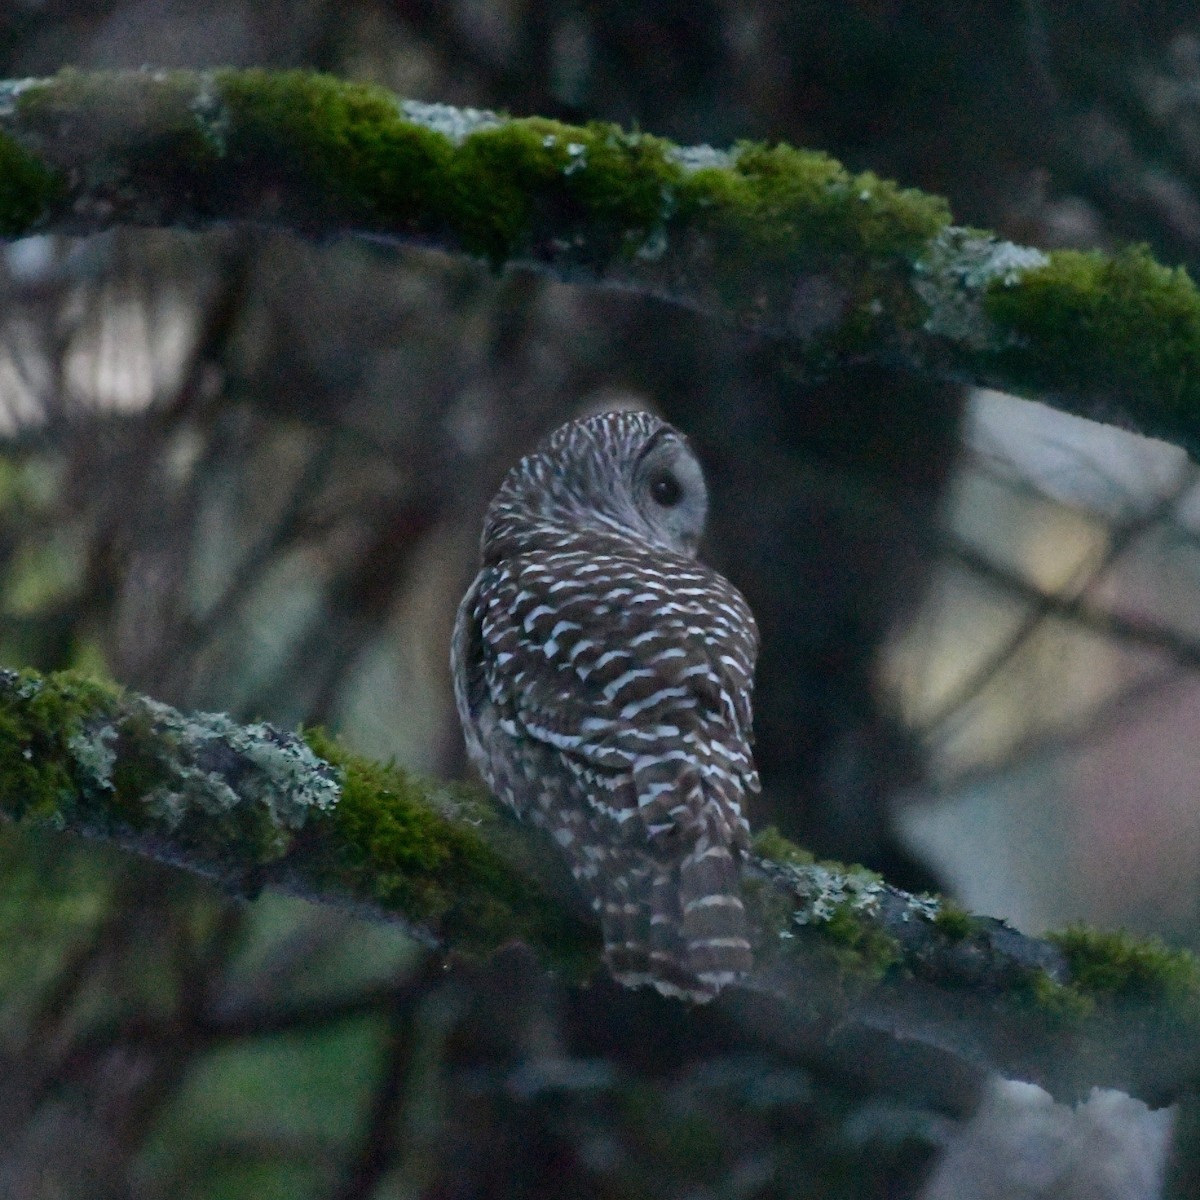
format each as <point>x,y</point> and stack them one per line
<point>327,152</point>
<point>436,873</point>
<point>27,188</point>
<point>383,819</point>
<point>346,144</point>
<point>621,180</point>
<point>594,186</point>
<point>861,876</point>
<point>1124,326</point>
<point>592,190</point>
<point>48,758</point>
<point>794,205</point>
<point>73,751</point>
<point>1120,966</point>
<point>346,150</point>
<point>840,903</point>
<point>1059,1003</point>
<point>955,923</point>
<point>859,944</point>
<point>769,843</point>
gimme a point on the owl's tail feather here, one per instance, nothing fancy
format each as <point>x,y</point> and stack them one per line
<point>715,929</point>
<point>625,915</point>
<point>680,929</point>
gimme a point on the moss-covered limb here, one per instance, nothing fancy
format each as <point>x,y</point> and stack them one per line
<point>252,806</point>
<point>840,955</point>
<point>1073,1010</point>
<point>783,240</point>
<point>315,153</point>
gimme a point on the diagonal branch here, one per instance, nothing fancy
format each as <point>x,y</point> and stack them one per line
<point>786,241</point>
<point>846,966</point>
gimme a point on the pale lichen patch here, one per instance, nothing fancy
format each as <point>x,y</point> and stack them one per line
<point>209,756</point>
<point>194,791</point>
<point>94,751</point>
<point>698,158</point>
<point>457,124</point>
<point>824,892</point>
<point>211,115</point>
<point>292,779</point>
<point>953,275</point>
<point>924,905</point>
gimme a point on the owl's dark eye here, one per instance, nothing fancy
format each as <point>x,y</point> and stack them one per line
<point>665,490</point>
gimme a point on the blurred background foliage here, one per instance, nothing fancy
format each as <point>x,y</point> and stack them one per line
<point>245,472</point>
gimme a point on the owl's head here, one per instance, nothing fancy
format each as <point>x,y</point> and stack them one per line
<point>616,472</point>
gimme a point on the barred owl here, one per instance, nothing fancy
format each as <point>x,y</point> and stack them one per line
<point>603,677</point>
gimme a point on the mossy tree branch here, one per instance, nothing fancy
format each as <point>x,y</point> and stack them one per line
<point>846,965</point>
<point>848,267</point>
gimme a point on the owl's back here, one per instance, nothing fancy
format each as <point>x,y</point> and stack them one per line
<point>604,687</point>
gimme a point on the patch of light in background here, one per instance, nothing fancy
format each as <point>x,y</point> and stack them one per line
<point>1045,806</point>
<point>123,349</point>
<point>130,355</point>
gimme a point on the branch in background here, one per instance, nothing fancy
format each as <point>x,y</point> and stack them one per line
<point>1074,606</point>
<point>786,241</point>
<point>847,967</point>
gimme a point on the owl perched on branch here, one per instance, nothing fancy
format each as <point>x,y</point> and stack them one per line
<point>603,677</point>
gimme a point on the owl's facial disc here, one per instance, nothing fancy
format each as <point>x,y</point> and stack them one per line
<point>669,492</point>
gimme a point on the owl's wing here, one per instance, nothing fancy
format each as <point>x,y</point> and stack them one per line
<point>628,664</point>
